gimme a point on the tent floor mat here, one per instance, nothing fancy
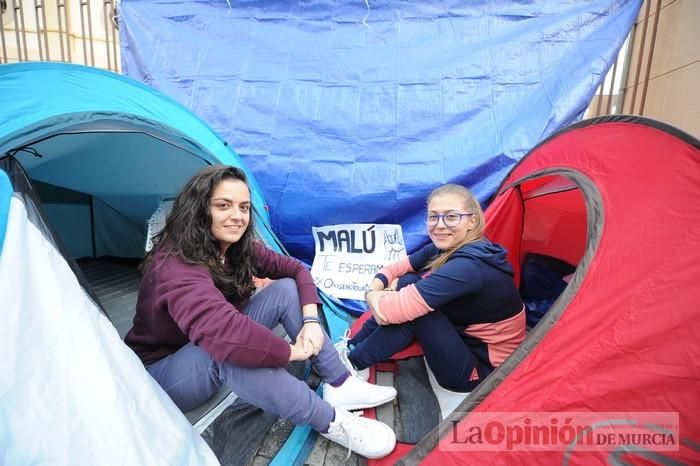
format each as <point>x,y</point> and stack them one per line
<point>420,410</point>
<point>238,432</point>
<point>116,285</point>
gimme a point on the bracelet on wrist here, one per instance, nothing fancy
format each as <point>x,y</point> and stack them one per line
<point>312,319</point>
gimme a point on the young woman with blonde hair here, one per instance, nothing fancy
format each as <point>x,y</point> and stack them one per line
<point>456,296</point>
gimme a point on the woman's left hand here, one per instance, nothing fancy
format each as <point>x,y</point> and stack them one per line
<point>311,336</point>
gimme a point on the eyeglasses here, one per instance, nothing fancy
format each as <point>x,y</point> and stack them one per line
<point>450,220</point>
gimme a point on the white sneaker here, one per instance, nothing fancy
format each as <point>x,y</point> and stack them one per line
<point>357,394</point>
<point>447,399</point>
<point>366,437</point>
<point>342,348</point>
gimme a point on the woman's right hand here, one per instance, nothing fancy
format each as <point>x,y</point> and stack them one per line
<point>373,299</point>
<point>298,353</point>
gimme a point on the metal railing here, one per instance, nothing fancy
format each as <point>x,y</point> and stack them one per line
<point>76,31</point>
<point>613,95</point>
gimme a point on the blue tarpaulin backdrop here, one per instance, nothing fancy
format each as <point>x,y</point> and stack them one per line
<point>353,111</point>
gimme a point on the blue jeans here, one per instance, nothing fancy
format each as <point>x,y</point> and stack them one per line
<point>451,360</point>
<point>190,376</point>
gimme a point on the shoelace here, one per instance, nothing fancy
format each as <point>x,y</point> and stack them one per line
<point>345,338</point>
<point>354,416</point>
<point>344,355</point>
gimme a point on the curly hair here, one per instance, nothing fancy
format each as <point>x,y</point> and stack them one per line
<point>187,235</point>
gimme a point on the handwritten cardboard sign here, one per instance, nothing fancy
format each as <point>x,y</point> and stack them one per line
<point>348,256</point>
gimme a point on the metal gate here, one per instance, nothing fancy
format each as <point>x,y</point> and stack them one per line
<point>77,31</point>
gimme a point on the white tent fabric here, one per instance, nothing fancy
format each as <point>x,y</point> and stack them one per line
<point>72,392</point>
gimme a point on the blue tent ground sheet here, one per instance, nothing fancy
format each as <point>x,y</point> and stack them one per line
<point>353,111</point>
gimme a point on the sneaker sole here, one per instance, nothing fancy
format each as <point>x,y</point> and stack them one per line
<point>355,407</point>
<point>368,455</point>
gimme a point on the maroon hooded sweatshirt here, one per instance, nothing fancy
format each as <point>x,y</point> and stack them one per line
<point>178,303</point>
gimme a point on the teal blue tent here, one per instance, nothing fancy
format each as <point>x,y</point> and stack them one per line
<point>102,150</point>
<point>86,156</point>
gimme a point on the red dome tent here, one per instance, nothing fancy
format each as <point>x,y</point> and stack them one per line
<point>619,197</point>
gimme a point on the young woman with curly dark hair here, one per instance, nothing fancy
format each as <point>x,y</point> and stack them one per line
<point>200,324</point>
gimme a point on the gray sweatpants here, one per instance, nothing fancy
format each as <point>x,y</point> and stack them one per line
<point>190,376</point>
